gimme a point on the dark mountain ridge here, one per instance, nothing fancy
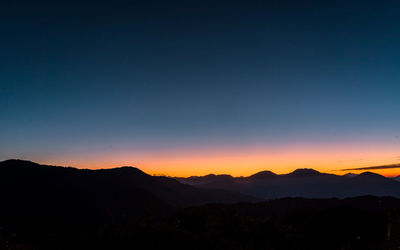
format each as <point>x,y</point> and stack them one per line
<point>304,172</point>
<point>53,192</point>
<point>262,175</point>
<point>307,183</point>
<point>396,178</point>
<point>49,207</point>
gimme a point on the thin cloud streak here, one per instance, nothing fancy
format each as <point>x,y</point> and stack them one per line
<point>397,165</point>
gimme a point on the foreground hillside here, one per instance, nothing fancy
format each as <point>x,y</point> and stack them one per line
<point>47,207</point>
<point>118,188</point>
<point>307,183</point>
<point>57,197</point>
<point>364,223</point>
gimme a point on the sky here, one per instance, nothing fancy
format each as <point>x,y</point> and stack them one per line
<point>186,88</point>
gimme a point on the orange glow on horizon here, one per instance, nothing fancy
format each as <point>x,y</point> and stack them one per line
<point>243,161</point>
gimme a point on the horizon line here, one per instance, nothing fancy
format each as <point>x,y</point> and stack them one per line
<point>388,166</point>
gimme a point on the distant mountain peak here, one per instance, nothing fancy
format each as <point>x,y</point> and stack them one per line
<point>350,175</point>
<point>126,169</point>
<point>217,177</point>
<point>211,176</point>
<point>18,162</point>
<point>370,174</point>
<point>304,172</point>
<point>262,175</point>
<point>396,178</point>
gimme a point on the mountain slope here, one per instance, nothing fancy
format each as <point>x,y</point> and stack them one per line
<point>397,178</point>
<point>307,183</point>
<point>46,194</point>
<point>17,175</point>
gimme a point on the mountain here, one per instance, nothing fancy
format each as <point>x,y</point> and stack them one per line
<point>350,175</point>
<point>262,175</point>
<point>304,182</point>
<point>397,178</point>
<point>50,207</point>
<point>304,172</point>
<point>42,193</point>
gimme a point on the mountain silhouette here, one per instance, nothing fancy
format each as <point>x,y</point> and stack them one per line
<point>304,182</point>
<point>262,175</point>
<point>50,207</point>
<point>397,178</point>
<point>350,175</point>
<point>68,195</point>
<point>304,172</point>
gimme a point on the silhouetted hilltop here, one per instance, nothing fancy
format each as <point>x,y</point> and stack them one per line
<point>370,175</point>
<point>350,175</point>
<point>302,172</point>
<point>49,207</point>
<point>303,183</point>
<point>216,181</point>
<point>262,175</point>
<point>18,163</point>
<point>54,195</point>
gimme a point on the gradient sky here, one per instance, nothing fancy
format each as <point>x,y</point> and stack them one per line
<point>193,87</point>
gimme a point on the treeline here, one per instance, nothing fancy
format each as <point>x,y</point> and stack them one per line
<point>358,223</point>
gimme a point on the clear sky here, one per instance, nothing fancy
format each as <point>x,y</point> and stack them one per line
<point>193,87</point>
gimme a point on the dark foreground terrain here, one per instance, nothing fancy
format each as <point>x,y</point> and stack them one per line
<point>45,207</point>
<point>307,183</point>
<point>292,223</point>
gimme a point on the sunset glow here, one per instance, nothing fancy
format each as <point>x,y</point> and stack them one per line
<point>241,161</point>
<point>200,90</point>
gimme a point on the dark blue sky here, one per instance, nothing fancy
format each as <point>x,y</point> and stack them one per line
<point>92,75</point>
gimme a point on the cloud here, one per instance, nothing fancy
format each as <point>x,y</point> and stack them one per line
<point>397,165</point>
